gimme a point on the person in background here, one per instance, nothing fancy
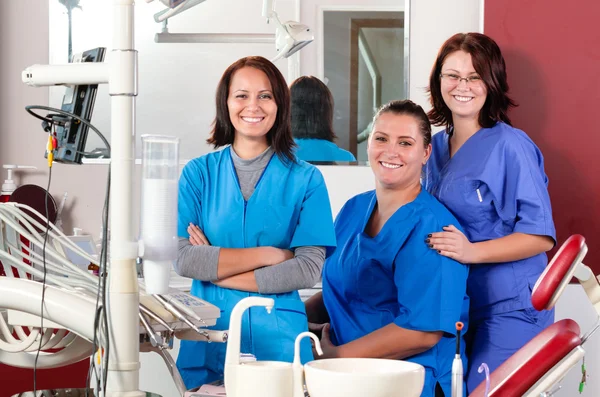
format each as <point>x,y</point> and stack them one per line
<point>252,221</point>
<point>386,294</point>
<point>491,176</point>
<point>312,122</point>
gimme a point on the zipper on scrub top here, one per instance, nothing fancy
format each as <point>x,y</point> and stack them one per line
<point>244,223</point>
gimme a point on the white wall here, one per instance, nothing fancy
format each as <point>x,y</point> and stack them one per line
<point>433,22</point>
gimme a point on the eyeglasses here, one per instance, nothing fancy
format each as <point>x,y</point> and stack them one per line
<point>453,79</point>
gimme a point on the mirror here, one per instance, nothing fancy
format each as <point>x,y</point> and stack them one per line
<point>364,64</point>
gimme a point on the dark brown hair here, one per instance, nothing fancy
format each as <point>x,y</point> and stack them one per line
<point>489,64</point>
<point>312,109</point>
<point>280,135</point>
<point>409,108</point>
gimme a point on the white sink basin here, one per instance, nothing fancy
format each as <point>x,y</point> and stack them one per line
<point>363,377</point>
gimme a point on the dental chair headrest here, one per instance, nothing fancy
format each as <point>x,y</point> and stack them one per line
<point>558,273</point>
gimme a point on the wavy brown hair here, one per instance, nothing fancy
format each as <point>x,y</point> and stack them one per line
<point>489,64</point>
<point>280,135</point>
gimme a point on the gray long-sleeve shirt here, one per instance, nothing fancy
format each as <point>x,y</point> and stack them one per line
<point>201,261</point>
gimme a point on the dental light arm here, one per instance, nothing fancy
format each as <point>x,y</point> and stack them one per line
<point>179,7</point>
<point>290,36</point>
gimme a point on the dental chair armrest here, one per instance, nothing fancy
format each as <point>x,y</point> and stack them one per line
<point>559,272</point>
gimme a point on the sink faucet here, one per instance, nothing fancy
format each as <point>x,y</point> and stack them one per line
<point>235,325</point>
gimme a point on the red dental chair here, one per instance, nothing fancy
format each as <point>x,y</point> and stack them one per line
<point>539,365</point>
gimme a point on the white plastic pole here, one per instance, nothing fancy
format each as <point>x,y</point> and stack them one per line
<point>123,371</point>
<point>69,74</point>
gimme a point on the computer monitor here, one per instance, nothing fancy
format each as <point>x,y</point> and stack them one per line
<point>71,134</point>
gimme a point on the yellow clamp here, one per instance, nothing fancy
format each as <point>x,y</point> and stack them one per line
<point>50,150</point>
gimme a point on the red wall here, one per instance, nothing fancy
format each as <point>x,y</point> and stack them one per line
<point>552,51</point>
<point>16,380</point>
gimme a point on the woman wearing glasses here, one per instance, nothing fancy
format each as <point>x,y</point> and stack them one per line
<point>491,177</point>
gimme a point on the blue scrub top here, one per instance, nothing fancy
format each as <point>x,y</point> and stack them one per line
<point>289,208</point>
<point>495,185</point>
<point>394,277</point>
<point>321,150</point>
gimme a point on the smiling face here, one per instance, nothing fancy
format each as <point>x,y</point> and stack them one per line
<point>397,151</point>
<point>464,99</point>
<point>251,104</point>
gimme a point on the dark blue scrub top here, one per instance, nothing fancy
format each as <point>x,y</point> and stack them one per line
<point>495,185</point>
<point>394,277</point>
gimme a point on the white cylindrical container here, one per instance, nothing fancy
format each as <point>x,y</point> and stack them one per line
<point>158,231</point>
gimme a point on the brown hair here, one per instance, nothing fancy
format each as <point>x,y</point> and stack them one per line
<point>312,109</point>
<point>280,135</point>
<point>409,108</point>
<point>489,64</point>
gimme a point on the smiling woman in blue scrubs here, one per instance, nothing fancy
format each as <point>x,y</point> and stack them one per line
<point>491,176</point>
<point>312,122</point>
<point>385,293</point>
<point>253,221</point>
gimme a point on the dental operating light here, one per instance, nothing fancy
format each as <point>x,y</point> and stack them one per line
<point>290,37</point>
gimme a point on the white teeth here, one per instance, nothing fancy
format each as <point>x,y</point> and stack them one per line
<point>462,98</point>
<point>388,165</point>
<point>252,119</point>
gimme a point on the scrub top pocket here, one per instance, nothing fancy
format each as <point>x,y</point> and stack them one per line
<point>279,223</point>
<point>374,283</point>
<point>476,201</point>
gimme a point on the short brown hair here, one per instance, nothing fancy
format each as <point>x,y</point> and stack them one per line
<point>280,135</point>
<point>489,64</point>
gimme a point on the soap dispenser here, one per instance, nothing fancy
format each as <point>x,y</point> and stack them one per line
<point>9,185</point>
